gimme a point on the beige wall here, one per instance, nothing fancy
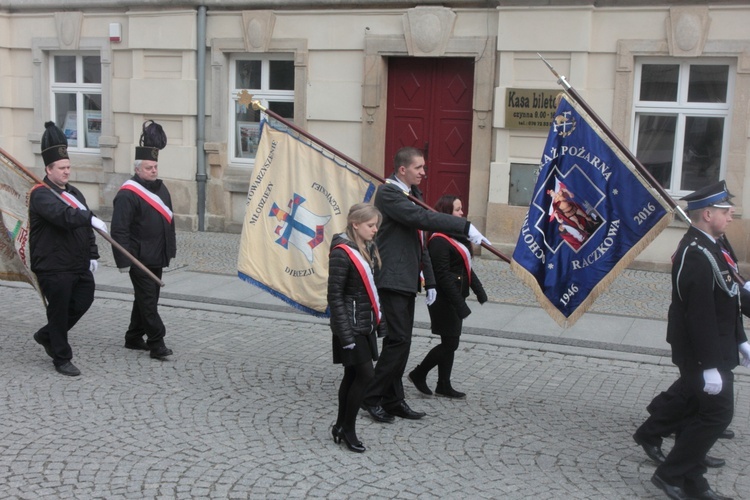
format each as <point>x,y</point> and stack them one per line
<point>341,64</point>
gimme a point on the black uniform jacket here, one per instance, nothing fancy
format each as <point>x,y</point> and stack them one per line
<point>704,324</point>
<point>60,236</point>
<point>403,255</point>
<point>351,310</point>
<point>452,281</point>
<point>140,229</point>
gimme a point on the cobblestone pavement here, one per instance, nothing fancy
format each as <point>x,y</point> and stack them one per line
<point>243,409</point>
<point>636,293</point>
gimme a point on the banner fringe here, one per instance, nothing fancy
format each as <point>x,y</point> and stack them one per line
<point>279,295</point>
<point>566,322</point>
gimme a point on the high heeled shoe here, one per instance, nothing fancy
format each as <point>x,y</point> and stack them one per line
<point>336,433</point>
<point>352,443</point>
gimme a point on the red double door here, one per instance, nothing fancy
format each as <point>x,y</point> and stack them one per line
<point>430,108</point>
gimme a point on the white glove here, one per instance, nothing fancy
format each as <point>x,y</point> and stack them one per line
<point>93,265</point>
<point>431,296</point>
<point>99,224</point>
<point>713,381</point>
<point>476,237</point>
<point>350,346</point>
<point>745,351</point>
<point>746,286</point>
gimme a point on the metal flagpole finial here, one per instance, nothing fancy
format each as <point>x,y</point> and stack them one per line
<point>258,106</point>
<point>560,78</point>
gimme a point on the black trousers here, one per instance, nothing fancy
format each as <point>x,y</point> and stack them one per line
<point>670,411</point>
<point>69,296</point>
<point>144,318</point>
<point>386,388</point>
<point>709,417</point>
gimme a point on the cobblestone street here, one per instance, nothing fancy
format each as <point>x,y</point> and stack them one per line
<point>243,409</point>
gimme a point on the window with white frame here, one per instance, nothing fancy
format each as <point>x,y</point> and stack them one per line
<point>269,78</point>
<point>76,86</point>
<point>681,122</point>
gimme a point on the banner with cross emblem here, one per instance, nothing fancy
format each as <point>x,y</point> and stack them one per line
<point>299,197</point>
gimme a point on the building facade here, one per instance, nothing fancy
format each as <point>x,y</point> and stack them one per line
<point>462,80</point>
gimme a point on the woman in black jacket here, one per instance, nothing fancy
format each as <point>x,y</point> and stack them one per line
<point>451,264</point>
<point>355,314</point>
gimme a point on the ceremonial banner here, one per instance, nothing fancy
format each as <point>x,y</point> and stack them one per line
<point>15,186</point>
<point>298,199</point>
<point>591,213</point>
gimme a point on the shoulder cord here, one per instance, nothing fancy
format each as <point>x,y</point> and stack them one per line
<point>735,290</point>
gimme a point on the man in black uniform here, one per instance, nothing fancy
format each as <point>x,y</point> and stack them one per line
<point>404,254</point>
<point>142,223</point>
<point>63,250</point>
<point>705,331</point>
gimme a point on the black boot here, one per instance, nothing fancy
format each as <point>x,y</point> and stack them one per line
<point>418,377</point>
<point>445,389</point>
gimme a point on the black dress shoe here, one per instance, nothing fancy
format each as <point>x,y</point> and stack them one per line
<point>652,451</point>
<point>378,414</point>
<point>727,434</point>
<point>712,462</point>
<point>709,494</point>
<point>402,410</point>
<point>447,391</point>
<point>137,345</point>
<point>68,369</point>
<point>44,343</point>
<point>160,352</point>
<point>674,492</point>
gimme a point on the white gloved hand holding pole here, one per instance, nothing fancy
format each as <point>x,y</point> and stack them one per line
<point>476,237</point>
<point>99,224</point>
<point>712,378</point>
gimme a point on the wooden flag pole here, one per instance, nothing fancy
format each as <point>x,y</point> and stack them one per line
<point>616,140</point>
<point>104,234</point>
<point>257,106</point>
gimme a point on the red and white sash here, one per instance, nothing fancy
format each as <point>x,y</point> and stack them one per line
<point>149,198</point>
<point>366,274</point>
<point>462,251</point>
<point>68,198</point>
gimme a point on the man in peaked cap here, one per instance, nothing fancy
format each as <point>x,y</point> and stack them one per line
<point>143,224</point>
<point>705,332</point>
<point>63,250</point>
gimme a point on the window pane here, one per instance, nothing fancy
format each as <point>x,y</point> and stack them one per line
<point>656,146</point>
<point>92,116</point>
<point>65,107</point>
<point>281,75</point>
<point>65,69</point>
<point>283,109</point>
<point>701,156</point>
<point>247,126</point>
<point>659,82</point>
<point>708,83</point>
<point>92,69</point>
<point>248,75</point>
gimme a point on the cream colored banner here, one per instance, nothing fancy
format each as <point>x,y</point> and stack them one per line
<point>297,200</point>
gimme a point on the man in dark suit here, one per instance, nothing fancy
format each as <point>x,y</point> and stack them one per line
<point>706,334</point>
<point>404,254</point>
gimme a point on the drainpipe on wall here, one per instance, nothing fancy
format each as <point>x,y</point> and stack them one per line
<point>200,141</point>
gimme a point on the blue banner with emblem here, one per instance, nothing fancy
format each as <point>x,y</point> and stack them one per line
<point>299,197</point>
<point>590,215</point>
